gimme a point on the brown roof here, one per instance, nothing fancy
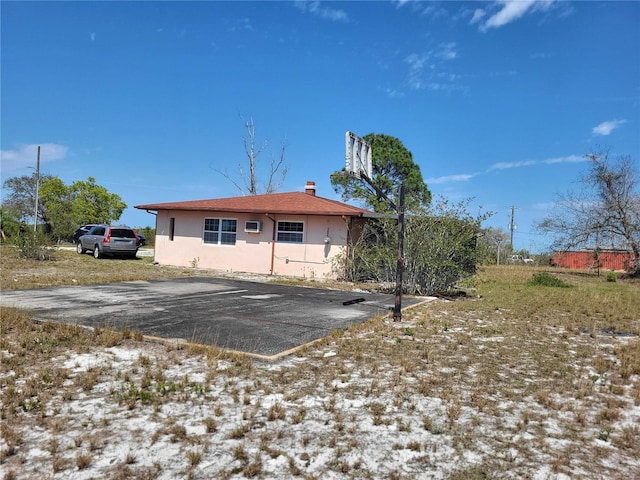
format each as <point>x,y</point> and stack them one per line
<point>294,203</point>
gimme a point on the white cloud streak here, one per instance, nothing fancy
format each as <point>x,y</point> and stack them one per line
<point>463,177</point>
<point>605,128</point>
<point>568,159</point>
<point>478,15</point>
<point>417,63</point>
<point>508,11</point>
<point>425,68</point>
<point>327,13</point>
<point>508,165</point>
<point>447,51</point>
<point>26,156</point>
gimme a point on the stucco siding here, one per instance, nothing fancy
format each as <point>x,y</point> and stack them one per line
<point>323,238</point>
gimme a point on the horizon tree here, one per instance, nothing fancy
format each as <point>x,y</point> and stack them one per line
<point>604,211</point>
<point>392,165</point>
<point>61,208</point>
<point>249,183</point>
<point>21,197</point>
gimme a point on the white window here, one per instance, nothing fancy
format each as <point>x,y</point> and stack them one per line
<point>220,231</point>
<point>290,232</point>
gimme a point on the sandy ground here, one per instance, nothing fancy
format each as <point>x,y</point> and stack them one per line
<point>142,410</point>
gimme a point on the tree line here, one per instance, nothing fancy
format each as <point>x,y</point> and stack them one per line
<point>603,212</point>
<point>443,242</point>
<point>61,208</point>
<point>441,238</point>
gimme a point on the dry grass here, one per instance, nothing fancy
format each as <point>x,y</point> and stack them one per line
<point>69,268</point>
<point>513,381</point>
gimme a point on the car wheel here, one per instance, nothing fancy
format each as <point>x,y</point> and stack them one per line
<point>79,248</point>
<point>96,252</point>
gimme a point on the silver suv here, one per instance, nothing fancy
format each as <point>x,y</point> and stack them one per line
<point>109,240</point>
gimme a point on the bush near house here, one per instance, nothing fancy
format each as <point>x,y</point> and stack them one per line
<point>440,250</point>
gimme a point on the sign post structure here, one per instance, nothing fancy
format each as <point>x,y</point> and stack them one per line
<point>35,216</point>
<point>397,309</point>
<point>359,164</point>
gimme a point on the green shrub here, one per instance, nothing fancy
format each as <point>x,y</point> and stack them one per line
<point>611,277</point>
<point>34,246</point>
<point>547,280</point>
<point>439,249</point>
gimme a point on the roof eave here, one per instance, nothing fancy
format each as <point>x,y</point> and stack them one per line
<point>334,213</point>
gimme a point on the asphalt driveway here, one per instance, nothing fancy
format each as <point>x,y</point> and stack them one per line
<point>258,318</point>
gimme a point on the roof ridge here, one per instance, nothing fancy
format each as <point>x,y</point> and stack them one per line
<point>290,200</point>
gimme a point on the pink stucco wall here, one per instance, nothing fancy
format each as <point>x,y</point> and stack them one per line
<point>252,251</point>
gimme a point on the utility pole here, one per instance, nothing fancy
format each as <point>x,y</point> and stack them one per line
<point>35,217</point>
<point>512,225</point>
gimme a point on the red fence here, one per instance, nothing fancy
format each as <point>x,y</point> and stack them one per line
<point>586,260</point>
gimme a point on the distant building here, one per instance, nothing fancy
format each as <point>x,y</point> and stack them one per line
<point>609,259</point>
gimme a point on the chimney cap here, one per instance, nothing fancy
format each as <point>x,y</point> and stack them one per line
<point>310,188</point>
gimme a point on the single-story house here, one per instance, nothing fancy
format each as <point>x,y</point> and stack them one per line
<point>609,259</point>
<point>293,234</point>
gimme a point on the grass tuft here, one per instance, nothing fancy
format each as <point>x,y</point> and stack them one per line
<point>547,280</point>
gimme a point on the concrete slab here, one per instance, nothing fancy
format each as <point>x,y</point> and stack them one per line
<point>258,318</point>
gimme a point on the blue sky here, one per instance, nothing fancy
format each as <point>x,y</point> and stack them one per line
<point>497,101</point>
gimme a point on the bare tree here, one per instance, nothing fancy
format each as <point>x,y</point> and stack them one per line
<point>604,213</point>
<point>248,184</point>
<point>494,239</point>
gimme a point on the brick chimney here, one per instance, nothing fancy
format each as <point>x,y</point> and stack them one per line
<point>310,189</point>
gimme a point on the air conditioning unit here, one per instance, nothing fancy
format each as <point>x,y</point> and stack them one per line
<point>252,226</point>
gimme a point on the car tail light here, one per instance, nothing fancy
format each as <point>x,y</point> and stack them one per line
<point>107,239</point>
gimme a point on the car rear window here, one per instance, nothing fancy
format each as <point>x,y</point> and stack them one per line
<point>122,233</point>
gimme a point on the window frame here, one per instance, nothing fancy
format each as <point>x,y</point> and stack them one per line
<point>290,232</point>
<point>220,232</point>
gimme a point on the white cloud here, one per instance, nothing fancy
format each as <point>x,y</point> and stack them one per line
<point>425,68</point>
<point>478,14</point>
<point>238,25</point>
<point>447,51</point>
<point>393,93</point>
<point>540,56</point>
<point>605,128</point>
<point>462,177</point>
<point>510,11</point>
<point>327,13</point>
<point>507,165</point>
<point>568,159</point>
<point>26,156</point>
<point>427,9</point>
<point>416,62</point>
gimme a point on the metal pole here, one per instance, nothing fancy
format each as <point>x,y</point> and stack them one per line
<point>512,224</point>
<point>35,217</point>
<point>397,309</point>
